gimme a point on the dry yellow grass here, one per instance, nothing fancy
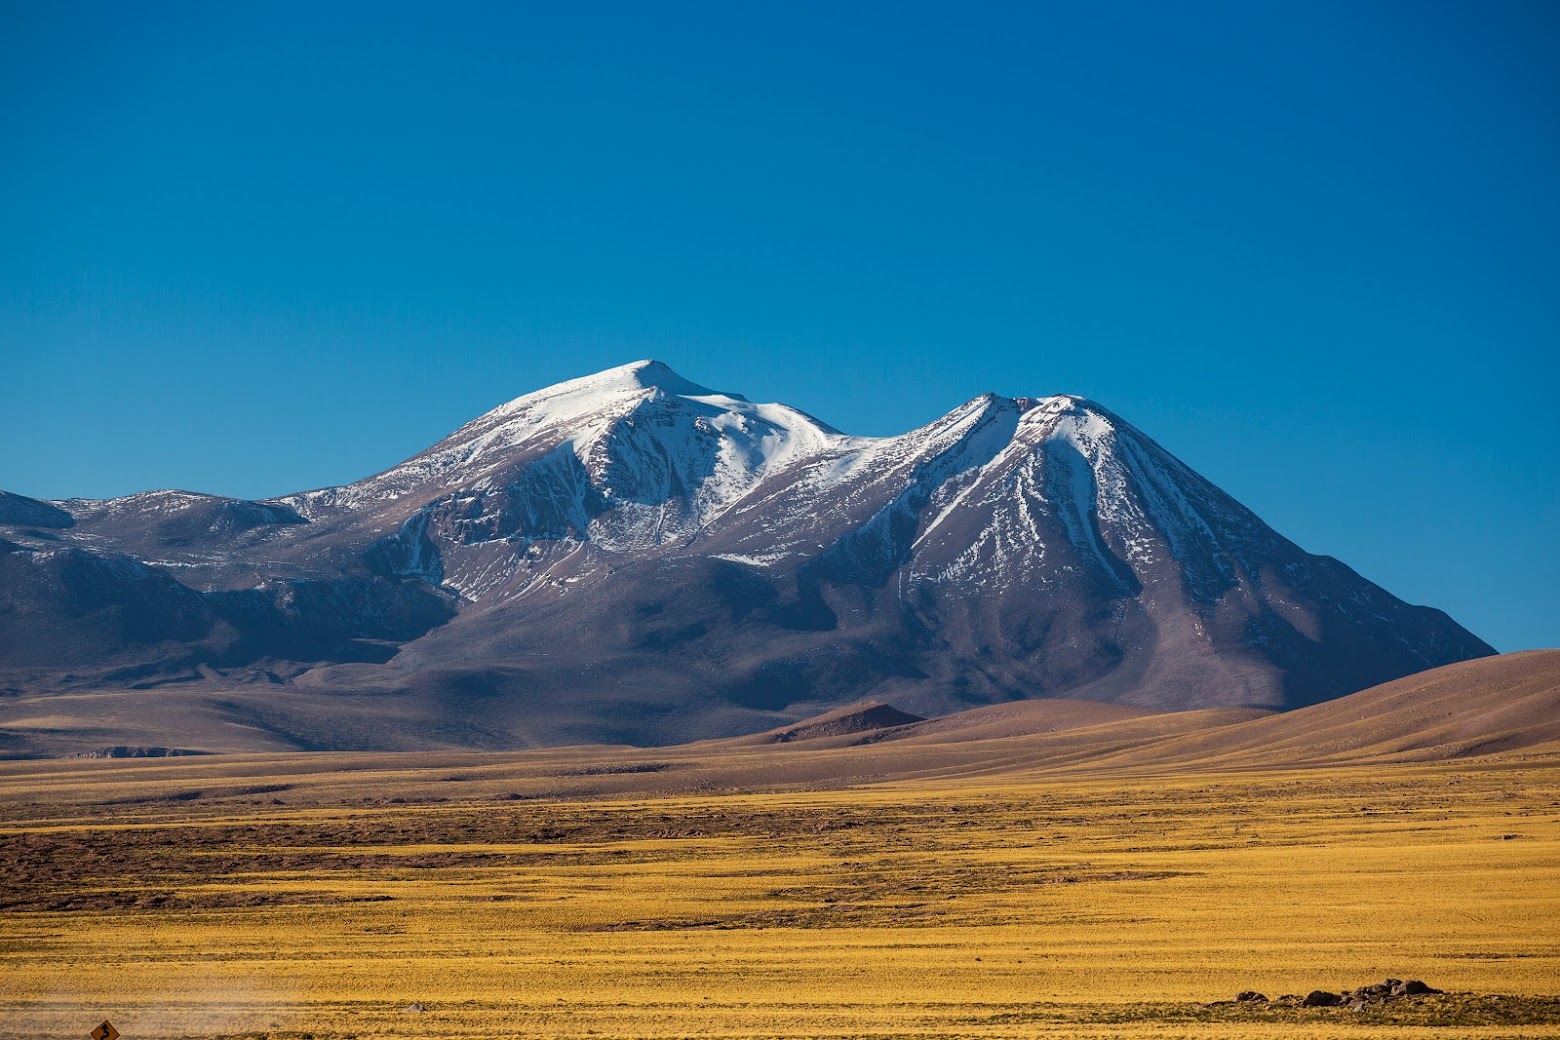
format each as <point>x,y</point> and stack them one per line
<point>617,894</point>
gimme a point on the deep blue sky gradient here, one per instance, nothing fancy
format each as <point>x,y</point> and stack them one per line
<point>1312,248</point>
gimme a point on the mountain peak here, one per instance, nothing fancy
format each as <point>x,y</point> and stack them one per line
<point>1029,402</point>
<point>650,374</point>
<point>610,388</point>
<point>635,376</point>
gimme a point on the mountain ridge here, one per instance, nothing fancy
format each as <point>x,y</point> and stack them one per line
<point>632,555</point>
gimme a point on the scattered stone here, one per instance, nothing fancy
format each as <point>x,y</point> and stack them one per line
<point>1358,999</point>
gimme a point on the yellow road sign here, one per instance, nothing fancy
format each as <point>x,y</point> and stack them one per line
<point>106,1031</point>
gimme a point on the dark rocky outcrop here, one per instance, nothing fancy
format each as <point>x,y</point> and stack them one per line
<point>1321,998</point>
<point>1357,999</point>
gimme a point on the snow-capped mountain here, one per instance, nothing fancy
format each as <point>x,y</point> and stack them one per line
<point>632,460</point>
<point>632,556</point>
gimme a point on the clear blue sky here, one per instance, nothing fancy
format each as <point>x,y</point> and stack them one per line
<point>1312,248</point>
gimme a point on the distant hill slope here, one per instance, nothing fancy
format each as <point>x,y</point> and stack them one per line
<point>632,557</point>
<point>1485,707</point>
<point>1499,710</point>
<point>1482,707</point>
<point>842,726</point>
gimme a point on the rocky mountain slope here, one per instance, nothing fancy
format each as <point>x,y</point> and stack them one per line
<point>633,557</point>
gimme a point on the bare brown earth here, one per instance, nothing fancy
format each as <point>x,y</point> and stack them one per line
<point>1463,710</point>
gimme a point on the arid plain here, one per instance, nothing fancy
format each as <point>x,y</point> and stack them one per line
<point>1037,869</point>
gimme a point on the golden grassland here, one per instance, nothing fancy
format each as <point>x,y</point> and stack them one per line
<point>292,896</point>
